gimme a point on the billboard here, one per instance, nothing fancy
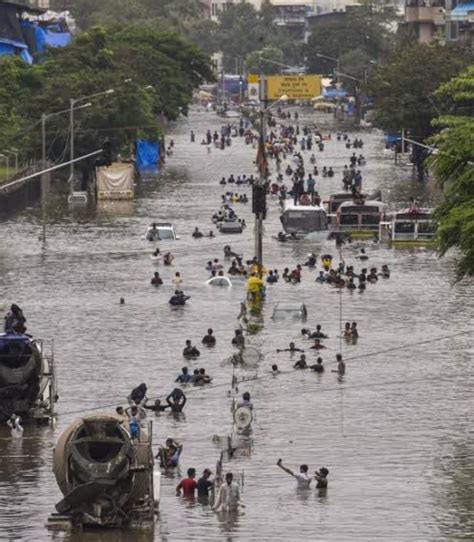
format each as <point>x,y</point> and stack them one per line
<point>296,87</point>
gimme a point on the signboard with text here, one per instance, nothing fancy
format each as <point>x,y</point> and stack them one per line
<point>296,87</point>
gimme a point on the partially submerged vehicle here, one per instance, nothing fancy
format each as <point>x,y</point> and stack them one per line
<point>115,182</point>
<point>27,378</point>
<point>105,474</point>
<point>409,228</point>
<point>230,226</point>
<point>362,219</point>
<point>290,311</point>
<point>224,282</point>
<point>161,231</point>
<point>335,200</point>
<point>300,220</point>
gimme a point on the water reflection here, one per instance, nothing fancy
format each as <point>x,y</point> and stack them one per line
<point>383,485</point>
<point>229,523</point>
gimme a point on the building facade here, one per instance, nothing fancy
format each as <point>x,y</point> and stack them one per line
<point>442,20</point>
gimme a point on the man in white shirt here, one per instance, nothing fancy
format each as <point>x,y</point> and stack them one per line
<point>302,478</point>
<point>228,498</point>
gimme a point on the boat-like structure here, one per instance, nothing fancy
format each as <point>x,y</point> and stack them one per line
<point>106,475</point>
<point>409,228</point>
<point>27,378</point>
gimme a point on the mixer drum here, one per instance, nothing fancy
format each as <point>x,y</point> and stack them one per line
<point>21,370</point>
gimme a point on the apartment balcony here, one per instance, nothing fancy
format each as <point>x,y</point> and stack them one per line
<point>425,14</point>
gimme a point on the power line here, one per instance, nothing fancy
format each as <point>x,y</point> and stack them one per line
<point>294,372</point>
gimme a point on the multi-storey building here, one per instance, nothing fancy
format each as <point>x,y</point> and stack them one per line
<point>451,20</point>
<point>460,23</point>
<point>427,18</point>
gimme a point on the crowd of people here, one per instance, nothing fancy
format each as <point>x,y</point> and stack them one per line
<point>287,147</point>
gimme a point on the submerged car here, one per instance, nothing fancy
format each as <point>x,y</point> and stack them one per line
<point>290,311</point>
<point>161,231</point>
<point>220,281</point>
<point>230,227</point>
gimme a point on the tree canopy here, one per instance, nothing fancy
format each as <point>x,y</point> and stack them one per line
<point>240,31</point>
<point>159,14</point>
<point>404,85</point>
<point>153,75</point>
<point>365,29</point>
<point>453,166</point>
<point>258,61</point>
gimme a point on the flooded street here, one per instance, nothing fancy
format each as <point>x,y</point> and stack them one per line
<point>395,434</point>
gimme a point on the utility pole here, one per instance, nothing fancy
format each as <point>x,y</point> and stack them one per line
<point>259,192</point>
<point>43,139</point>
<point>223,83</point>
<point>71,124</point>
<point>43,176</point>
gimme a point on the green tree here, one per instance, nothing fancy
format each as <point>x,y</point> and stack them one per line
<point>206,34</point>
<point>153,74</point>
<point>161,14</point>
<point>453,166</point>
<point>357,65</point>
<point>253,64</point>
<point>14,77</point>
<point>364,29</point>
<point>404,89</point>
<point>243,30</point>
<point>240,33</point>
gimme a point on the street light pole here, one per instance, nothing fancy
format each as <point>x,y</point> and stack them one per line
<point>72,103</point>
<point>71,126</point>
<point>15,154</point>
<point>43,180</point>
<point>259,192</point>
<point>261,176</point>
<point>43,140</point>
<point>7,161</point>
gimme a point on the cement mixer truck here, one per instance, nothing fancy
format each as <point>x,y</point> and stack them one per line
<point>106,477</point>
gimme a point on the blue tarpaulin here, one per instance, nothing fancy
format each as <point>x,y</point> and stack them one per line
<point>232,84</point>
<point>334,93</point>
<point>12,47</point>
<point>6,49</point>
<point>38,37</point>
<point>57,39</point>
<point>392,139</point>
<point>147,156</point>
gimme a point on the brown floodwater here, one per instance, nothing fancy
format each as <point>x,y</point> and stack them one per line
<point>396,433</point>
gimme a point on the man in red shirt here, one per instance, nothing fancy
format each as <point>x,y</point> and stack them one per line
<point>188,485</point>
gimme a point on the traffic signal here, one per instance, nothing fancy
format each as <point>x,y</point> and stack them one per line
<point>259,201</point>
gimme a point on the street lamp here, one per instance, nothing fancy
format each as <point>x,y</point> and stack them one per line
<point>44,118</point>
<point>259,189</point>
<point>334,59</point>
<point>7,160</point>
<point>14,152</point>
<point>283,98</point>
<point>73,103</point>
<point>276,63</point>
<point>348,76</point>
